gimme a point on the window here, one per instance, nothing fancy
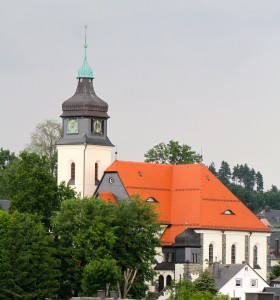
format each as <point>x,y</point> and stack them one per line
<point>194,257</point>
<point>211,249</point>
<point>160,283</point>
<point>255,256</point>
<point>254,283</point>
<point>228,212</point>
<point>96,172</point>
<point>72,176</point>
<point>170,257</point>
<point>233,254</point>
<point>238,282</point>
<point>168,280</point>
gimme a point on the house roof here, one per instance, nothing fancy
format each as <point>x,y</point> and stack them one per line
<point>106,196</point>
<point>226,272</point>
<point>270,216</point>
<point>188,196</point>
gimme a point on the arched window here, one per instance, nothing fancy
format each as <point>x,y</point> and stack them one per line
<point>168,280</point>
<point>160,283</point>
<point>72,171</point>
<point>233,254</point>
<point>211,254</point>
<point>255,256</point>
<point>96,172</point>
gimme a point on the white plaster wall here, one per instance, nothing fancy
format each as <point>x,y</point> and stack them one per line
<point>246,275</point>
<point>260,240</point>
<point>237,238</point>
<point>77,154</point>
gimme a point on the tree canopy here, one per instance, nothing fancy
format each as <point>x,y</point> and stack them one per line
<point>43,141</point>
<point>123,237</point>
<point>29,268</point>
<point>172,153</point>
<point>32,189</point>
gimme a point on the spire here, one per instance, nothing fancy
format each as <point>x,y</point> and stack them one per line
<point>85,71</point>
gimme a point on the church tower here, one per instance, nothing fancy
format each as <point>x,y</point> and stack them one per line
<point>84,150</point>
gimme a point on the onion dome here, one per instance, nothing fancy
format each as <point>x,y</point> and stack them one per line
<point>85,103</point>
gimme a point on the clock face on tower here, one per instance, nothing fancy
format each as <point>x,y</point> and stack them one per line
<point>97,126</point>
<point>72,126</point>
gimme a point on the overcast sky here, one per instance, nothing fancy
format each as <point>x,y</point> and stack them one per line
<point>205,73</point>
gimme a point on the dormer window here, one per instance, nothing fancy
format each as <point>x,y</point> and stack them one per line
<point>151,200</point>
<point>228,212</point>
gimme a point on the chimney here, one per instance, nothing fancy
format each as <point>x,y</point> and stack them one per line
<point>216,269</point>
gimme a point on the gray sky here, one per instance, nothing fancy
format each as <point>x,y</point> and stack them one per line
<point>205,73</point>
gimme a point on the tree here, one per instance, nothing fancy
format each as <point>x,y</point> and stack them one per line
<point>212,168</point>
<point>172,153</point>
<point>84,233</point>
<point>31,188</point>
<point>259,181</point>
<point>100,274</point>
<point>186,290</point>
<point>275,271</point>
<point>90,230</point>
<point>43,140</point>
<point>205,282</point>
<point>6,157</point>
<point>224,173</point>
<point>137,231</point>
<point>28,267</point>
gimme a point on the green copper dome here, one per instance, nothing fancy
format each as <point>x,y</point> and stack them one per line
<point>85,71</point>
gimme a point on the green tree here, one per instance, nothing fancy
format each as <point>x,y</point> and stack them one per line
<point>205,282</point>
<point>172,153</point>
<point>43,140</point>
<point>6,157</point>
<point>84,232</point>
<point>137,232</point>
<point>31,188</point>
<point>212,168</point>
<point>100,275</point>
<point>275,271</point>
<point>259,181</point>
<point>28,267</point>
<point>89,230</point>
<point>224,173</point>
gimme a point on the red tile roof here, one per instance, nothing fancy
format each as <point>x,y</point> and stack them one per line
<point>107,197</point>
<point>188,196</point>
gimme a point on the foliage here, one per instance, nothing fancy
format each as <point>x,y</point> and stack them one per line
<point>84,233</point>
<point>137,231</point>
<point>100,274</point>
<point>275,271</point>
<point>172,153</point>
<point>186,290</point>
<point>43,140</point>
<point>224,173</point>
<point>205,282</point>
<point>28,267</point>
<point>6,157</point>
<point>31,188</point>
<point>89,230</point>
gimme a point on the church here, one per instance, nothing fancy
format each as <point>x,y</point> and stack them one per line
<point>202,221</point>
